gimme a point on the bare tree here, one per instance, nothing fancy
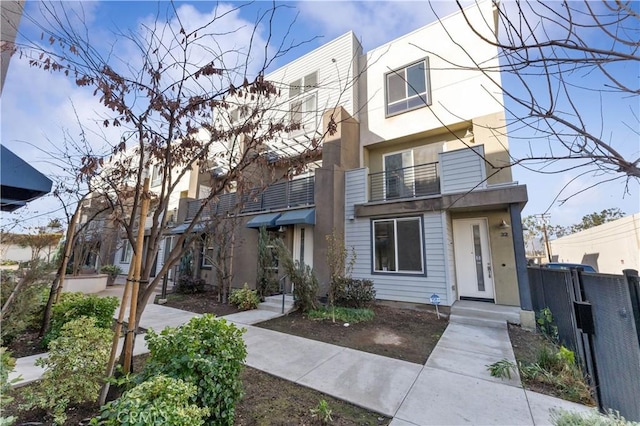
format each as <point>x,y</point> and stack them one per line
<point>175,107</point>
<point>558,63</point>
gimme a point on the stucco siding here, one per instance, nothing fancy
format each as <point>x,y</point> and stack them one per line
<point>458,92</point>
<point>610,247</point>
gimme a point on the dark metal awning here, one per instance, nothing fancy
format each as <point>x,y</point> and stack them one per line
<point>267,220</point>
<point>180,229</point>
<point>307,216</point>
<point>19,181</point>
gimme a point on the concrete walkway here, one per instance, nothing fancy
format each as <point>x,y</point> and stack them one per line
<point>453,387</point>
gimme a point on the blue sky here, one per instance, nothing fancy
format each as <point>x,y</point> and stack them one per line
<point>38,107</point>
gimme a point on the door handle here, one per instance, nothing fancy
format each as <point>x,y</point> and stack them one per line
<point>489,269</point>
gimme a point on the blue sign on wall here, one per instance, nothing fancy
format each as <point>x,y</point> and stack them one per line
<point>435,299</point>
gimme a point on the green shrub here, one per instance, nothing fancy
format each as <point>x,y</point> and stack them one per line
<point>206,352</point>
<point>7,365</point>
<point>501,369</point>
<point>322,412</point>
<point>546,325</point>
<point>190,285</point>
<point>76,305</point>
<point>25,310</point>
<point>74,369</point>
<point>245,298</point>
<point>561,417</point>
<point>555,368</point>
<point>305,283</point>
<point>159,400</point>
<point>356,293</point>
<point>111,270</point>
<point>350,315</point>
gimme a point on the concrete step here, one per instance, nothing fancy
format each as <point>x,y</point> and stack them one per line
<point>274,304</point>
<point>278,298</point>
<point>488,311</point>
<point>473,320</point>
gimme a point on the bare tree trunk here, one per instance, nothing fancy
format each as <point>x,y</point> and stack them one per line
<point>12,296</point>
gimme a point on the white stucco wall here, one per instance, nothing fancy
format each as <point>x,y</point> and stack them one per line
<point>613,246</point>
<point>457,94</point>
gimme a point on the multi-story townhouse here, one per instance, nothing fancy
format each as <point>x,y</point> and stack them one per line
<point>432,211</point>
<point>415,174</point>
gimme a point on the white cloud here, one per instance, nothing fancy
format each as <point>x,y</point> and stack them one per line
<point>375,22</point>
<point>38,106</point>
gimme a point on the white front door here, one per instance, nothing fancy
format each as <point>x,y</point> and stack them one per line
<point>474,270</point>
<point>303,244</point>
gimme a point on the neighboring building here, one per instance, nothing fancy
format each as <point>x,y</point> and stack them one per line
<point>609,248</point>
<point>413,175</point>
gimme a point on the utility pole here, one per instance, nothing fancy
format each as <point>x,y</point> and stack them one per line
<point>543,218</point>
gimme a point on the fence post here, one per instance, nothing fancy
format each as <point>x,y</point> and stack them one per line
<point>631,276</point>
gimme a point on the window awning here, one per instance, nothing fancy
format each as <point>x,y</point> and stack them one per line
<point>307,216</point>
<point>267,220</point>
<point>198,227</point>
<point>20,182</point>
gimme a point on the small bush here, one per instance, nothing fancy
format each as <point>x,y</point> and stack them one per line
<point>356,293</point>
<point>322,412</point>
<point>74,369</point>
<point>159,400</point>
<point>25,310</point>
<point>111,270</point>
<point>350,315</point>
<point>561,417</point>
<point>206,352</point>
<point>7,365</point>
<point>305,283</point>
<point>76,305</point>
<point>556,369</point>
<point>546,325</point>
<point>244,299</point>
<point>190,285</point>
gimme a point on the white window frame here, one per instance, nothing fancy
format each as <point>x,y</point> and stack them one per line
<point>395,236</point>
<point>424,98</point>
<point>207,245</point>
<point>308,110</point>
<point>156,175</point>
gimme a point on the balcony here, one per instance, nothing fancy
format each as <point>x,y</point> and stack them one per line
<point>408,182</point>
<point>281,195</point>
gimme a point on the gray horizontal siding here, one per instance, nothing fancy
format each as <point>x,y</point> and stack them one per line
<point>462,170</point>
<point>405,288</point>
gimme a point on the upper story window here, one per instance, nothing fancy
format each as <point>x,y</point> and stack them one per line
<point>305,84</point>
<point>156,175</point>
<point>304,112</point>
<point>303,109</point>
<point>408,88</point>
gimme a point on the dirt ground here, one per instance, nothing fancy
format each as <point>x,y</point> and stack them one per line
<point>201,303</point>
<point>268,400</point>
<point>404,334</point>
<point>26,344</point>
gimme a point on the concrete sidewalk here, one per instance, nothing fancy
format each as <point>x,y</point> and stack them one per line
<point>453,387</point>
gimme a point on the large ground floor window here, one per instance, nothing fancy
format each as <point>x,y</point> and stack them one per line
<point>397,245</point>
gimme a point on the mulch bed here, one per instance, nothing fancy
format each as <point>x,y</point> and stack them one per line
<point>26,344</point>
<point>200,303</point>
<point>404,334</point>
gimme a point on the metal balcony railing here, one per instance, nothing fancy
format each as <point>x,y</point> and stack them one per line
<point>408,182</point>
<point>281,195</point>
